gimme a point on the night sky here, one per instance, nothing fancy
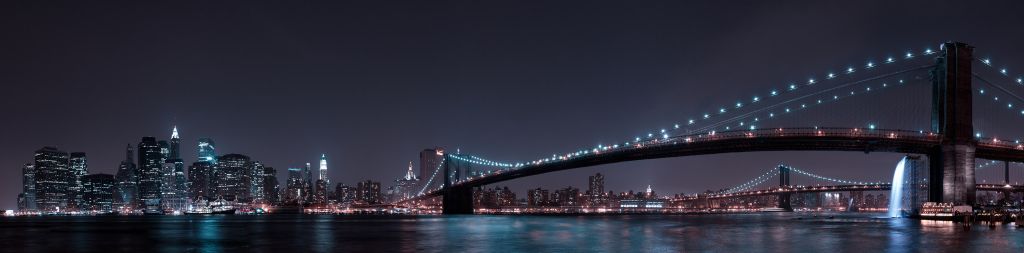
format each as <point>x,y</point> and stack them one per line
<point>372,83</point>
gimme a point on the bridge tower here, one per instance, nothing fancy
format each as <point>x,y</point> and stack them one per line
<point>784,201</point>
<point>952,162</point>
<point>455,199</point>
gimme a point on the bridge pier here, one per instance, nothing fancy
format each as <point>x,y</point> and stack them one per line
<point>951,177</point>
<point>784,200</point>
<point>455,199</point>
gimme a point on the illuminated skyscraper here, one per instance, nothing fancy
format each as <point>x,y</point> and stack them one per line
<point>323,169</point>
<point>79,167</point>
<point>271,189</point>
<point>430,160</point>
<point>295,190</point>
<point>150,176</point>
<point>98,192</point>
<point>200,175</point>
<point>256,177</point>
<point>127,194</point>
<point>230,177</point>
<point>52,179</point>
<point>175,152</point>
<point>207,151</point>
<point>28,188</point>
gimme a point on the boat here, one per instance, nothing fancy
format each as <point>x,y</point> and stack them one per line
<point>218,206</point>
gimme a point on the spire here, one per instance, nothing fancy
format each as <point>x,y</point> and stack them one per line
<point>648,189</point>
<point>174,133</point>
<point>408,174</point>
<point>128,153</point>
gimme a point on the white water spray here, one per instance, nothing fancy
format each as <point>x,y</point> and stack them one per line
<point>896,191</point>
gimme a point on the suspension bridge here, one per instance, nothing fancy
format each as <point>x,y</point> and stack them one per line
<point>950,142</point>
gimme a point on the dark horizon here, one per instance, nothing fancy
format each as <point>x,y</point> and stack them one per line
<point>371,84</point>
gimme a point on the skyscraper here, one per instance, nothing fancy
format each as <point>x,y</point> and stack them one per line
<point>430,160</point>
<point>207,151</point>
<point>230,175</point>
<point>271,189</point>
<point>295,189</point>
<point>256,177</point>
<point>175,144</point>
<point>127,194</point>
<point>28,188</point>
<point>174,184</point>
<point>368,192</point>
<point>52,179</point>
<point>98,192</point>
<point>200,175</point>
<point>79,168</point>
<point>150,176</point>
<point>405,186</point>
<point>323,169</point>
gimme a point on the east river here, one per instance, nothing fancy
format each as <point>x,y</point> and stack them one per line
<point>763,232</point>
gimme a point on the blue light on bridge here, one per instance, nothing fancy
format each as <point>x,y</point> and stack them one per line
<point>831,75</point>
<point>889,60</point>
<point>849,70</point>
<point>775,93</point>
<point>871,126</point>
<point>690,121</point>
<point>759,99</point>
<point>910,55</point>
<point>987,61</point>
<point>1003,71</point>
<point>809,81</point>
<point>871,65</point>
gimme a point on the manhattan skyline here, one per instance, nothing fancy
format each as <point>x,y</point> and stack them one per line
<point>370,92</point>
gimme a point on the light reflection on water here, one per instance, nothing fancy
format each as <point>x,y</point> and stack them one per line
<point>769,232</point>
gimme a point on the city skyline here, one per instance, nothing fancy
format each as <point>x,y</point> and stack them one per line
<point>450,69</point>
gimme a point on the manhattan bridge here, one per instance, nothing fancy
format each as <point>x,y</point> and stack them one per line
<point>947,133</point>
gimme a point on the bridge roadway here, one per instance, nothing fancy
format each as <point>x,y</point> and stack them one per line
<point>775,139</point>
<point>837,188</point>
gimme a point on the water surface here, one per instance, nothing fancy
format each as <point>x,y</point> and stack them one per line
<point>767,232</point>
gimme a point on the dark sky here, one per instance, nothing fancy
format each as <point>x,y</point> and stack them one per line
<point>371,83</point>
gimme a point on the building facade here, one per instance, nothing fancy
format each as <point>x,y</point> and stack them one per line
<point>53,178</point>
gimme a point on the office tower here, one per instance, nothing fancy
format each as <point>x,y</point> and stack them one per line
<point>271,189</point>
<point>200,175</point>
<point>79,167</point>
<point>368,192</point>
<point>53,178</point>
<point>207,151</point>
<point>295,189</point>
<point>537,197</point>
<point>344,193</point>
<point>230,175</point>
<point>596,184</point>
<point>98,192</point>
<point>256,177</point>
<point>430,160</point>
<point>172,188</point>
<point>28,188</point>
<point>127,194</point>
<point>165,151</point>
<point>323,169</point>
<point>320,194</point>
<point>175,152</point>
<point>309,182</point>
<point>150,176</point>
<point>405,186</point>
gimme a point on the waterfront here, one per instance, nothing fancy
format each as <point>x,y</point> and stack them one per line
<point>761,232</point>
